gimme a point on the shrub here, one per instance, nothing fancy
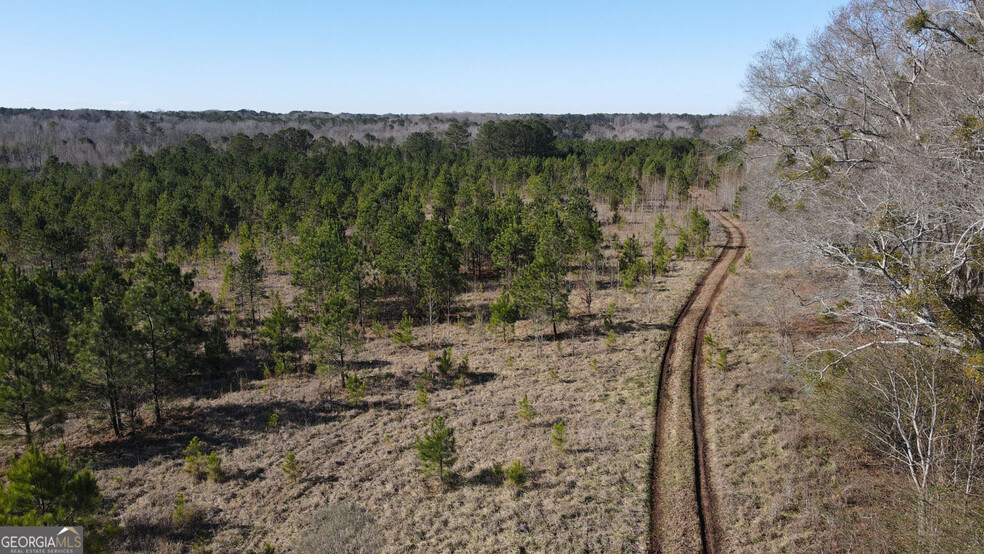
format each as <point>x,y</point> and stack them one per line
<point>526,411</point>
<point>378,329</point>
<point>559,435</point>
<point>292,468</point>
<point>273,421</point>
<point>184,515</point>
<point>436,449</point>
<point>776,203</point>
<point>516,474</point>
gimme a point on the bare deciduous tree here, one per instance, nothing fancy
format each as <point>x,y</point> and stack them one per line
<point>876,132</point>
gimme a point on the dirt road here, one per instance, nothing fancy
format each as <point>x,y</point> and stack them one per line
<point>682,503</point>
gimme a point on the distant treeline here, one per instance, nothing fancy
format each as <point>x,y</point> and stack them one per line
<point>29,136</point>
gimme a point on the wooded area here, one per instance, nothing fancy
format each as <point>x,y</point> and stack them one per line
<point>869,151</point>
<point>102,315</point>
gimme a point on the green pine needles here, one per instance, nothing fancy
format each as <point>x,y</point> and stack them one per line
<point>436,449</point>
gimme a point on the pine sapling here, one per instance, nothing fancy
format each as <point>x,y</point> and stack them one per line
<point>183,515</point>
<point>355,389</point>
<point>436,449</point>
<point>559,436</point>
<point>195,464</point>
<point>214,468</point>
<point>444,363</point>
<point>403,334</point>
<point>273,421</point>
<point>292,468</point>
<point>422,399</point>
<point>610,340</point>
<point>526,411</point>
<point>516,474</point>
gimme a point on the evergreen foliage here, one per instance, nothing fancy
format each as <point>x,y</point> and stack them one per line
<point>436,449</point>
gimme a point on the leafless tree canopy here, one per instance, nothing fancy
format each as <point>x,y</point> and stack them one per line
<point>29,136</point>
<point>875,128</point>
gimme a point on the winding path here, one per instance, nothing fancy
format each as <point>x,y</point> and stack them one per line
<point>681,500</point>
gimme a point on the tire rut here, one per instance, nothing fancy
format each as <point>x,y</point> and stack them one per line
<point>693,527</point>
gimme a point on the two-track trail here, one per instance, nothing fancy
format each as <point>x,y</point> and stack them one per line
<point>682,503</point>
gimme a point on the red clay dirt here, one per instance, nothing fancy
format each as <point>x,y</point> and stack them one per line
<point>682,503</point>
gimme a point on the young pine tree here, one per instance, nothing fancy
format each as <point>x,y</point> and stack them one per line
<point>165,319</point>
<point>504,313</point>
<point>436,449</point>
<point>335,338</point>
<point>248,286</point>
<point>279,337</point>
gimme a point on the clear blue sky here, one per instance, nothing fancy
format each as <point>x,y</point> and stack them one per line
<point>391,57</point>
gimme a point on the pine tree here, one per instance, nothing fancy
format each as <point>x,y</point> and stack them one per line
<point>439,278</point>
<point>699,227</point>
<point>43,489</point>
<point>104,357</point>
<point>33,383</point>
<point>436,449</point>
<point>249,289</point>
<point>504,313</point>
<point>279,337</point>
<point>541,290</point>
<point>335,337</point>
<point>165,318</point>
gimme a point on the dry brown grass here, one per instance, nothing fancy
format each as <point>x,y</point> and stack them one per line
<point>590,497</point>
<point>782,480</point>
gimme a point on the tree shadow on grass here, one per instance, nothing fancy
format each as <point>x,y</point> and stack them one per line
<point>219,427</point>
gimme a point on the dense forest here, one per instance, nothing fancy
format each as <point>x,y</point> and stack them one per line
<point>100,309</point>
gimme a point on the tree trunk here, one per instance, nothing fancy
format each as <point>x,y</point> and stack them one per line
<point>157,395</point>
